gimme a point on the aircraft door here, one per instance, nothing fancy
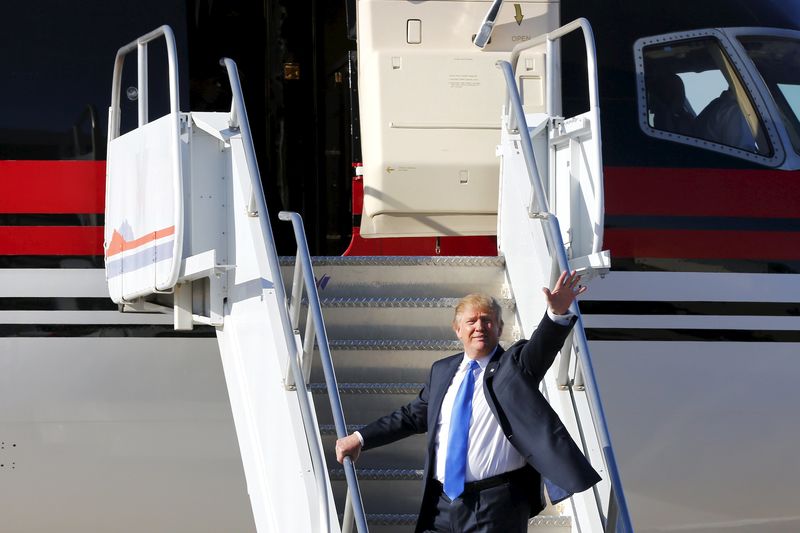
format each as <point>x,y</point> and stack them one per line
<point>430,103</point>
<point>569,147</point>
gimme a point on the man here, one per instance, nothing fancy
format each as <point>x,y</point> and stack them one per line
<point>493,440</point>
<point>723,121</point>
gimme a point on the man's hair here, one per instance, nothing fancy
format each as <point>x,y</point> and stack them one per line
<point>481,301</point>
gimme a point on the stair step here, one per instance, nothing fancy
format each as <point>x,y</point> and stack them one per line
<point>384,361</point>
<point>408,453</point>
<point>408,519</point>
<point>364,402</point>
<point>330,429</point>
<point>369,388</point>
<point>403,276</point>
<point>401,302</point>
<point>400,260</point>
<point>388,519</point>
<point>397,318</point>
<point>438,345</point>
<point>388,319</point>
<point>379,474</point>
<point>550,521</point>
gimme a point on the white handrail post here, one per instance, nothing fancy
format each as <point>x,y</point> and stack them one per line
<point>327,362</point>
<point>297,293</point>
<point>349,519</point>
<point>552,72</point>
<point>141,89</point>
<point>550,81</point>
<point>315,450</point>
<point>515,107</point>
<point>308,345</point>
<point>140,45</point>
<point>555,244</point>
<point>562,378</point>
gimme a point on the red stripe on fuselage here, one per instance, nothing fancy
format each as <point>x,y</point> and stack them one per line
<point>702,244</point>
<point>53,186</point>
<point>51,240</point>
<point>706,192</point>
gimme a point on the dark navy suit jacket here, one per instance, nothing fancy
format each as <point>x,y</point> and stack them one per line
<point>511,386</point>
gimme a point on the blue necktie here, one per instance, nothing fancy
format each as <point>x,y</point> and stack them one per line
<point>455,464</point>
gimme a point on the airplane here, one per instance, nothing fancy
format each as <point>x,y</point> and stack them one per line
<point>387,145</point>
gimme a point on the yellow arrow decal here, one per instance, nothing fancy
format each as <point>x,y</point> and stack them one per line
<point>518,14</point>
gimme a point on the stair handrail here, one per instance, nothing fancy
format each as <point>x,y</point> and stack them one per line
<point>89,114</point>
<point>315,314</point>
<point>238,120</point>
<point>552,72</point>
<point>617,515</point>
<point>142,99</point>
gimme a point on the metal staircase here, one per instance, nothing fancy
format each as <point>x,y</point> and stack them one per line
<point>388,319</point>
<point>188,233</point>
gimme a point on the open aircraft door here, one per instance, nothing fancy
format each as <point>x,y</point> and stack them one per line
<point>430,103</point>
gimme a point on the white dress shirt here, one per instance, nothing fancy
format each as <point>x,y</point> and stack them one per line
<point>489,453</point>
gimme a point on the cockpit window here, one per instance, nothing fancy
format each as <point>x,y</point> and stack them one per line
<point>693,91</point>
<point>778,62</point>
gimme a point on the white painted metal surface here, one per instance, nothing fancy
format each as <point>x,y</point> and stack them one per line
<point>430,113</point>
<point>573,153</point>
<point>228,276</point>
<point>111,432</point>
<point>705,432</point>
<point>143,224</point>
<point>280,475</point>
<point>716,416</point>
<point>529,268</point>
<point>527,228</point>
<point>281,480</point>
<point>144,216</point>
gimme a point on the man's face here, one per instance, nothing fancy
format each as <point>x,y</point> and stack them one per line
<point>478,330</point>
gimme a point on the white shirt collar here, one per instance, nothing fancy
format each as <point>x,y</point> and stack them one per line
<point>482,361</point>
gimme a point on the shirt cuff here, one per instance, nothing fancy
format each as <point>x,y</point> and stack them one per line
<point>561,320</point>
<point>360,438</point>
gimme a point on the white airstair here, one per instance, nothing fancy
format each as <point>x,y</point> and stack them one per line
<point>188,233</point>
<point>388,319</point>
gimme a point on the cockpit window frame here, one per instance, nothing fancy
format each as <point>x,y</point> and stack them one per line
<point>792,161</point>
<point>775,159</point>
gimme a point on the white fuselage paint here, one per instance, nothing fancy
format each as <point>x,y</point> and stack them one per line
<point>124,434</point>
<point>705,432</point>
<point>133,434</point>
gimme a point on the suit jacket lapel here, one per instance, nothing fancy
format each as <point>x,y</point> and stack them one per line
<point>491,368</point>
<point>488,390</point>
<point>439,388</point>
<point>440,382</point>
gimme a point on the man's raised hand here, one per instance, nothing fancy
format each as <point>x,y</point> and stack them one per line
<point>564,293</point>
